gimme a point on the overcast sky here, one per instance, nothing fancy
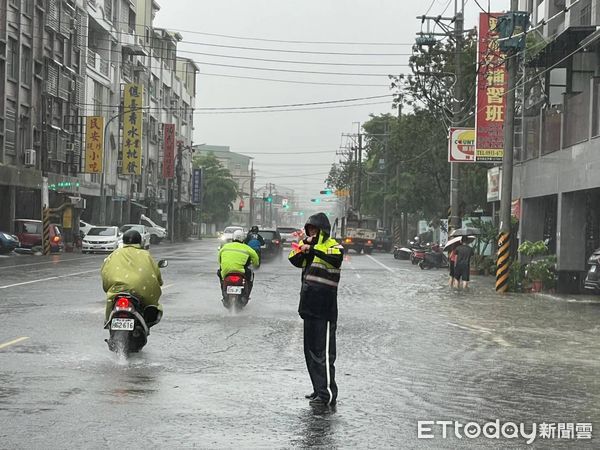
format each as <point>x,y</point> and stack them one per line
<point>306,142</point>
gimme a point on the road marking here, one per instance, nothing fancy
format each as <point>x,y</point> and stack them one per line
<point>381,264</point>
<point>357,275</point>
<point>6,344</point>
<point>47,279</point>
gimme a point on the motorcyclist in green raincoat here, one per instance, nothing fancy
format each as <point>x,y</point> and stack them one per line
<point>132,269</point>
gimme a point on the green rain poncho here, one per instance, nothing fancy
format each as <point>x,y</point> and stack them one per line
<point>131,269</point>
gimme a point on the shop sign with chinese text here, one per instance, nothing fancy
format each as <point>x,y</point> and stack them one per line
<point>461,145</point>
<point>94,144</point>
<point>169,151</point>
<point>132,130</point>
<point>491,90</point>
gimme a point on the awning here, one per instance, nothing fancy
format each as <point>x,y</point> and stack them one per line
<point>138,205</point>
<point>564,44</point>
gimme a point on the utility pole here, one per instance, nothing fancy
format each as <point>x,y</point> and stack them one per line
<point>271,205</point>
<point>179,174</point>
<point>454,222</point>
<point>251,212</point>
<point>359,168</point>
<point>503,260</point>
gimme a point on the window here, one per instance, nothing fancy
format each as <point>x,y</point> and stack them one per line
<point>98,99</point>
<point>12,59</point>
<point>26,65</point>
<point>28,7</point>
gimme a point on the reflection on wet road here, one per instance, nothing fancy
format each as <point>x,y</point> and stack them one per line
<point>409,349</point>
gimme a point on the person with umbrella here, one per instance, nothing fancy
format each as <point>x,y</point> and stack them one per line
<point>451,247</point>
<point>462,266</point>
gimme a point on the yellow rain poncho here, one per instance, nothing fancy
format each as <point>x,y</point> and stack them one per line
<point>133,270</point>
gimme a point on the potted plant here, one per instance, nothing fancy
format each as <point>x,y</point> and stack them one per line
<point>538,271</point>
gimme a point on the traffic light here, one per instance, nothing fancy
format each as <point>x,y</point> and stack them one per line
<point>326,191</point>
<point>315,200</point>
<point>268,199</point>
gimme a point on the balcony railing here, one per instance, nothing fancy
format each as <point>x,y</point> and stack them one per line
<point>551,130</point>
<point>577,118</point>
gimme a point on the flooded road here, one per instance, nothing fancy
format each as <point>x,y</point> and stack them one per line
<point>409,349</point>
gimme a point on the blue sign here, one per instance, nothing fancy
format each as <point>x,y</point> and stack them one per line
<point>197,186</point>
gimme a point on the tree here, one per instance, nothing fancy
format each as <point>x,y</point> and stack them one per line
<point>219,189</point>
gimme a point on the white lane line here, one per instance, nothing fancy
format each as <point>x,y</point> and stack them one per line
<point>381,264</point>
<point>47,279</point>
<point>15,341</point>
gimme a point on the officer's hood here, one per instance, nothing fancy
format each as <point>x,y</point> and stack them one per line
<point>320,221</point>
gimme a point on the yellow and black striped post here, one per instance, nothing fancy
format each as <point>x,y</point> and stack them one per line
<point>503,262</point>
<point>46,231</point>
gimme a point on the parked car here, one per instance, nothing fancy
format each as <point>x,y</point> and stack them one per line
<point>101,239</point>
<point>288,235</point>
<point>29,233</point>
<point>146,236</point>
<point>227,234</point>
<point>157,233</point>
<point>8,242</point>
<point>273,247</point>
<point>84,227</point>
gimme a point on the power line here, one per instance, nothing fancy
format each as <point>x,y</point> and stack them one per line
<point>294,41</point>
<point>292,81</point>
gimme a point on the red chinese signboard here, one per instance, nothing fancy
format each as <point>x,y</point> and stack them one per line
<point>491,89</point>
<point>169,151</point>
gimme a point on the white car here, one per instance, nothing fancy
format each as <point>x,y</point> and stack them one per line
<point>227,234</point>
<point>84,227</point>
<point>146,236</point>
<point>101,239</point>
<point>157,233</point>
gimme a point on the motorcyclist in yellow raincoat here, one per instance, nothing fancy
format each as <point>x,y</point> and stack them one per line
<point>133,270</point>
<point>236,257</point>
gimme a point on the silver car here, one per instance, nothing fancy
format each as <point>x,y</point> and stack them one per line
<point>101,239</point>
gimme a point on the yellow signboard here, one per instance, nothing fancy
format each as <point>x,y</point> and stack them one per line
<point>68,217</point>
<point>132,130</point>
<point>94,144</point>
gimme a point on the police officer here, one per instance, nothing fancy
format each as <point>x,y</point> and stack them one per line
<point>320,258</point>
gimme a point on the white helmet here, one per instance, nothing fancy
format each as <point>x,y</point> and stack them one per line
<point>238,235</point>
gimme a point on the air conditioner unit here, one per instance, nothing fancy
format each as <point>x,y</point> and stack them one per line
<point>30,157</point>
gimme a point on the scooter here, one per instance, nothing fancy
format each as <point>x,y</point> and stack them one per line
<point>592,279</point>
<point>129,322</point>
<point>236,291</point>
<point>435,258</point>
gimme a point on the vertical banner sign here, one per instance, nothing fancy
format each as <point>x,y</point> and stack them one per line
<point>132,130</point>
<point>169,151</point>
<point>94,144</point>
<point>461,145</point>
<point>491,89</point>
<point>197,186</point>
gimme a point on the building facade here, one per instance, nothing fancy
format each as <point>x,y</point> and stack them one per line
<point>70,59</point>
<point>557,157</point>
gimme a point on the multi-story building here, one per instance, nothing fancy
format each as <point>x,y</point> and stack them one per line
<point>41,66</point>
<point>557,165</point>
<point>68,59</point>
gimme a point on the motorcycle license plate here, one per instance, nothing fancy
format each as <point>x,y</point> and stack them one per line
<point>234,289</point>
<point>122,324</point>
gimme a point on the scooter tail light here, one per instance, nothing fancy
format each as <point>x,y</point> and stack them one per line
<point>235,278</point>
<point>122,303</point>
